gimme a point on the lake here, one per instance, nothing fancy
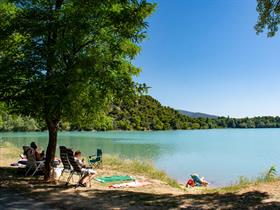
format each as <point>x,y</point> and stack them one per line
<point>221,155</point>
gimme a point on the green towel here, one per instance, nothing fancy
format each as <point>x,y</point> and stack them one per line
<point>114,179</point>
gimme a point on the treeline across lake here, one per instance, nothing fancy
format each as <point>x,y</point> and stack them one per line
<point>142,113</point>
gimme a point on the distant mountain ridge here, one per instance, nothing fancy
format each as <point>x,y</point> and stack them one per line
<point>197,114</point>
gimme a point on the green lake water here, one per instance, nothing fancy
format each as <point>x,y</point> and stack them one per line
<point>221,155</point>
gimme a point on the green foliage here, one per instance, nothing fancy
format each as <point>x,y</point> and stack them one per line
<point>271,174</point>
<point>64,59</point>
<point>269,16</point>
<point>145,113</point>
<point>137,113</point>
<point>256,122</point>
<point>243,182</point>
<point>98,121</point>
<point>12,122</point>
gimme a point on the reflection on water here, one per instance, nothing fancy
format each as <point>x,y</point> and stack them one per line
<point>219,155</point>
<point>88,142</point>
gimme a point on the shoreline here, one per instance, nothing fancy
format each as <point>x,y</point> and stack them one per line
<point>145,168</point>
<point>131,131</point>
<point>180,177</point>
<point>113,163</point>
<point>104,131</point>
<point>158,195</point>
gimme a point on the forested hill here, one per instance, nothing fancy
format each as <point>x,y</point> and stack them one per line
<point>146,113</point>
<point>143,113</point>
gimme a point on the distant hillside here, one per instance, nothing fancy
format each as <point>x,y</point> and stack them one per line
<point>146,113</point>
<point>197,114</point>
<point>139,113</point>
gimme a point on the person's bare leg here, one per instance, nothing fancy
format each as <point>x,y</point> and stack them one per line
<point>87,178</point>
<point>82,180</point>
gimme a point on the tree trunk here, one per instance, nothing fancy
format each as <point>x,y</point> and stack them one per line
<point>52,127</point>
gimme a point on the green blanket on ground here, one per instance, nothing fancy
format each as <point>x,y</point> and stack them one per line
<point>114,179</point>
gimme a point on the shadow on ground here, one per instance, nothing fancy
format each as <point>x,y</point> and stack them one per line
<point>58,196</point>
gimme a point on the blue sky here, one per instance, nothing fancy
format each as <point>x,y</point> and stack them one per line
<point>204,55</point>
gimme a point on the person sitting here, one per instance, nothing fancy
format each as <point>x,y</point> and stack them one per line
<point>88,172</point>
<point>38,156</point>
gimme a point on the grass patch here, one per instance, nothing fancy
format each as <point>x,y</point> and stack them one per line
<point>8,154</point>
<point>115,163</point>
<point>268,177</point>
<point>138,168</point>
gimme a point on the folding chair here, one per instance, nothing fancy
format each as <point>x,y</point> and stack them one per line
<point>31,161</point>
<point>96,160</point>
<point>76,168</point>
<point>64,159</point>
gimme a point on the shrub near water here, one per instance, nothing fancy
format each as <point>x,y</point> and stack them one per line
<point>138,168</point>
<point>269,176</point>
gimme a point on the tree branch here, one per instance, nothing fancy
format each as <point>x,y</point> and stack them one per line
<point>83,46</point>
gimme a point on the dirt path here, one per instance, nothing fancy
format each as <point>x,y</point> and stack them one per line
<point>12,199</point>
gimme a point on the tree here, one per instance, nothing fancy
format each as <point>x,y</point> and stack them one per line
<point>66,59</point>
<point>269,16</point>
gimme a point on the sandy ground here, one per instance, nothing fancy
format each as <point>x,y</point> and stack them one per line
<point>19,192</point>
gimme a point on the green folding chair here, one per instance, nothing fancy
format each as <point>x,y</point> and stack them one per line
<point>96,160</point>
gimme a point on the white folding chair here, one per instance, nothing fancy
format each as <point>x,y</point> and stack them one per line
<point>31,161</point>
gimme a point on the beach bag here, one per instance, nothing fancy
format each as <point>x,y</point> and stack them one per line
<point>190,182</point>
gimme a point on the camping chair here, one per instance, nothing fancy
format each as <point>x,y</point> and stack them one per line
<point>31,161</point>
<point>64,159</point>
<point>96,160</point>
<point>76,168</point>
